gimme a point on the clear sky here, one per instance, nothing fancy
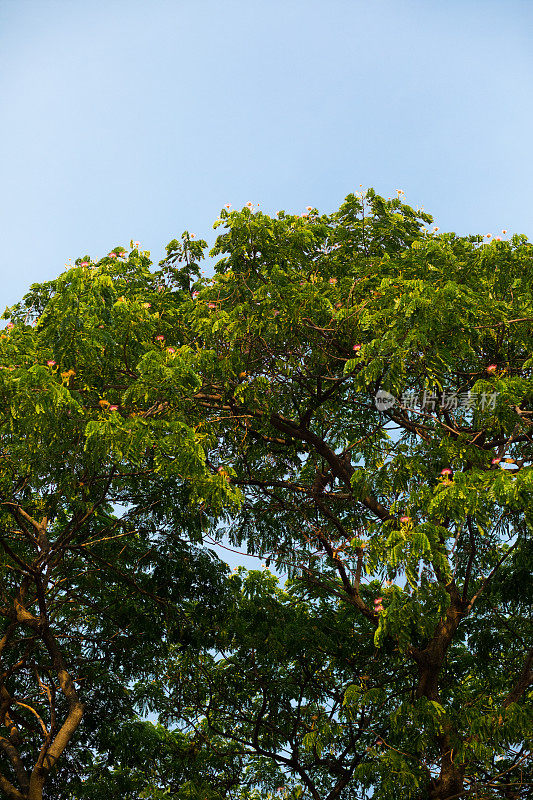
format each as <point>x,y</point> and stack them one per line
<point>125,119</point>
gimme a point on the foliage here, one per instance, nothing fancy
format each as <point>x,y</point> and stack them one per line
<point>274,404</point>
<point>96,507</point>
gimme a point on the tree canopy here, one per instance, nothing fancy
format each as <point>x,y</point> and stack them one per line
<point>348,397</point>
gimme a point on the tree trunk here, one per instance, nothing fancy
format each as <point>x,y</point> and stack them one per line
<point>450,783</point>
<point>36,787</point>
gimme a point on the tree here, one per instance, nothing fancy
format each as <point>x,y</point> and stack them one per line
<point>310,319</point>
<point>286,693</point>
<point>94,507</point>
<point>355,390</point>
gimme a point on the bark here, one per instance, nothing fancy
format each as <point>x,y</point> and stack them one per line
<point>450,783</point>
<point>524,681</point>
<point>12,753</point>
<point>9,790</point>
<point>54,743</point>
<point>36,787</point>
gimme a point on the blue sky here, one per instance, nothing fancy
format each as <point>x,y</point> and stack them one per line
<point>125,119</point>
<point>135,120</point>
